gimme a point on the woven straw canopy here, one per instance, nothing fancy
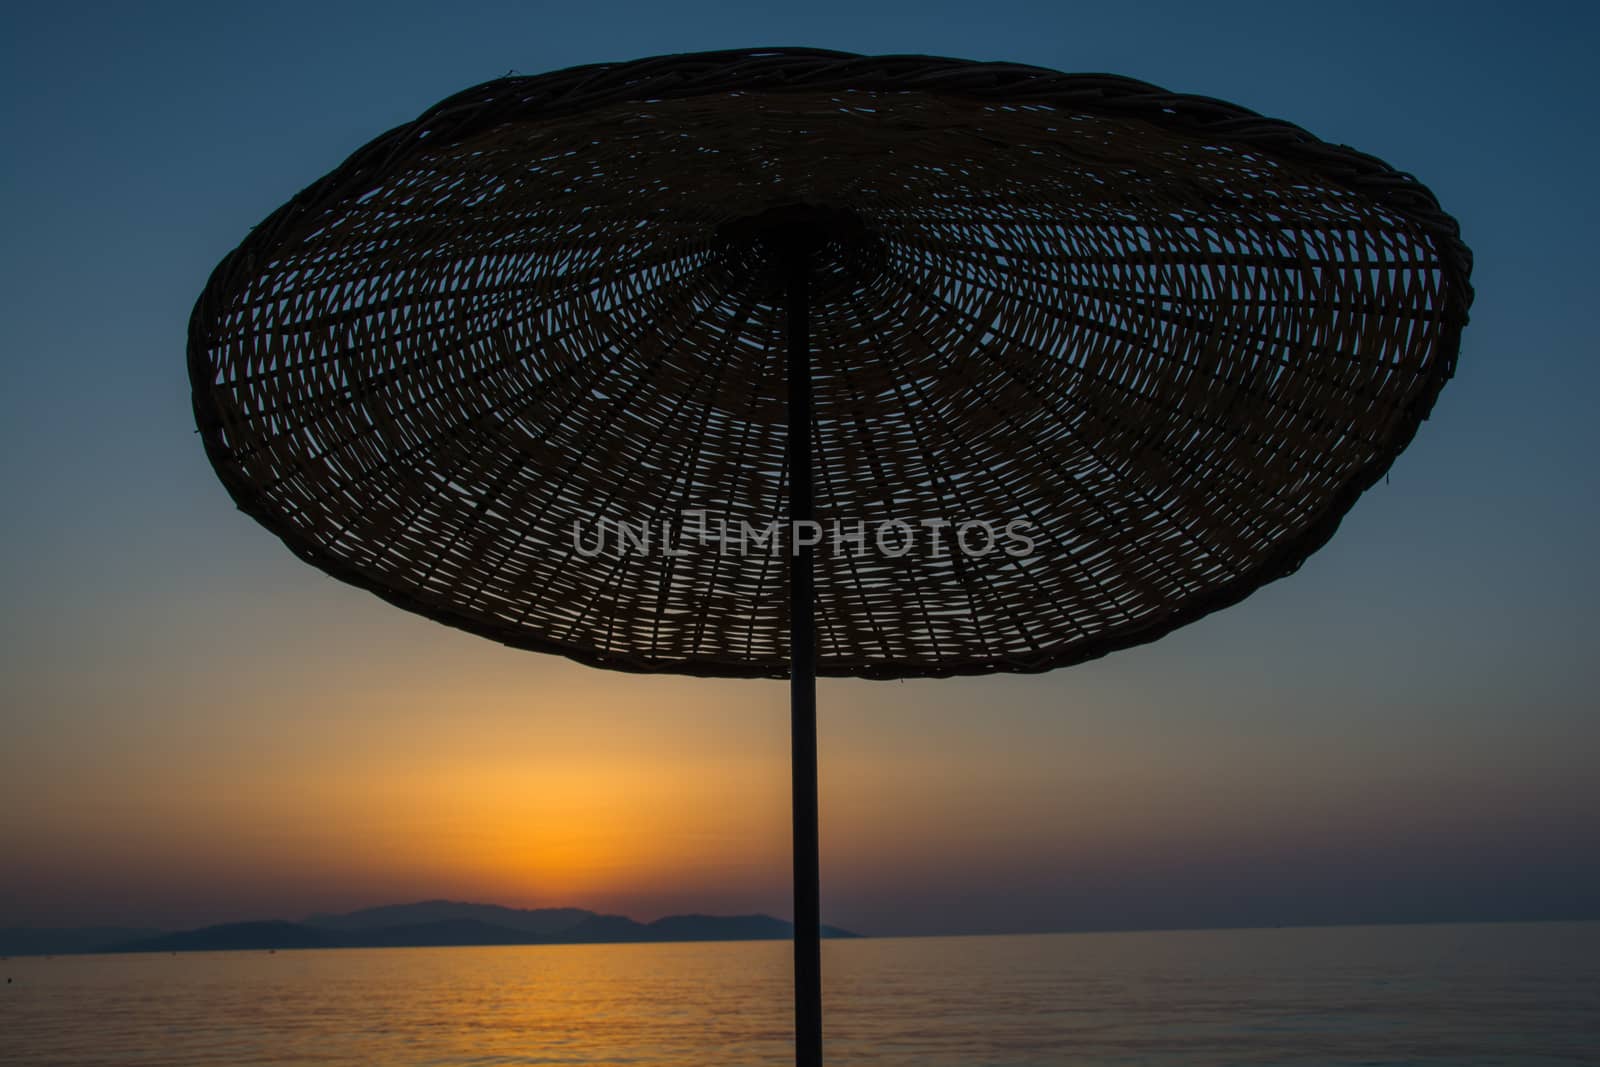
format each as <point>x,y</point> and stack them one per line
<point>1173,337</point>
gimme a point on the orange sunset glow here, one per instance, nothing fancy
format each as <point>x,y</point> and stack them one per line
<point>349,716</point>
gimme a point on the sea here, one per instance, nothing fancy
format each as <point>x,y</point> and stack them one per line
<point>1519,995</point>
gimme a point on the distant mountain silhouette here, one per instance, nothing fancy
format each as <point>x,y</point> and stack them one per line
<point>426,924</point>
<point>441,933</point>
<point>271,933</point>
<point>539,921</point>
<point>601,928</point>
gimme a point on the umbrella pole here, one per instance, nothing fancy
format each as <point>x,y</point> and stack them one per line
<point>803,674</point>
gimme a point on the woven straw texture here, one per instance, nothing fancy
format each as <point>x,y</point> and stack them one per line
<point>1174,338</point>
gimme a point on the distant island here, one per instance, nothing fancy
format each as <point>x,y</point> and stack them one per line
<point>431,923</point>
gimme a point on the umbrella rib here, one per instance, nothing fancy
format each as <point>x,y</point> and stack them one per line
<point>825,472</point>
<point>1089,449</point>
<point>527,397</point>
<point>615,405</point>
<point>418,400</point>
<point>1021,376</point>
<point>424,262</point>
<point>508,358</point>
<point>903,562</point>
<point>901,382</point>
<point>523,401</point>
<point>697,443</point>
<point>1118,335</point>
<point>1129,299</point>
<point>661,428</point>
<point>780,496</point>
<point>741,452</point>
<point>830,492</point>
<point>618,564</point>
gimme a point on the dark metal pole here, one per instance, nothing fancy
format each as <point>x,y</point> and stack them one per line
<point>803,674</point>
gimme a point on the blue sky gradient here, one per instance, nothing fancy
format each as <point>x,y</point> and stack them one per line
<point>1405,729</point>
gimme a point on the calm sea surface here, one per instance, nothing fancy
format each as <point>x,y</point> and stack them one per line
<point>1520,995</point>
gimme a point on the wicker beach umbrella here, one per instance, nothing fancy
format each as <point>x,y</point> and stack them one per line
<point>1026,367</point>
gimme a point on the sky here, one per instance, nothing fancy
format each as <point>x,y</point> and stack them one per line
<point>196,727</point>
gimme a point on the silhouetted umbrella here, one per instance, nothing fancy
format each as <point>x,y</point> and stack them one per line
<point>1056,363</point>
